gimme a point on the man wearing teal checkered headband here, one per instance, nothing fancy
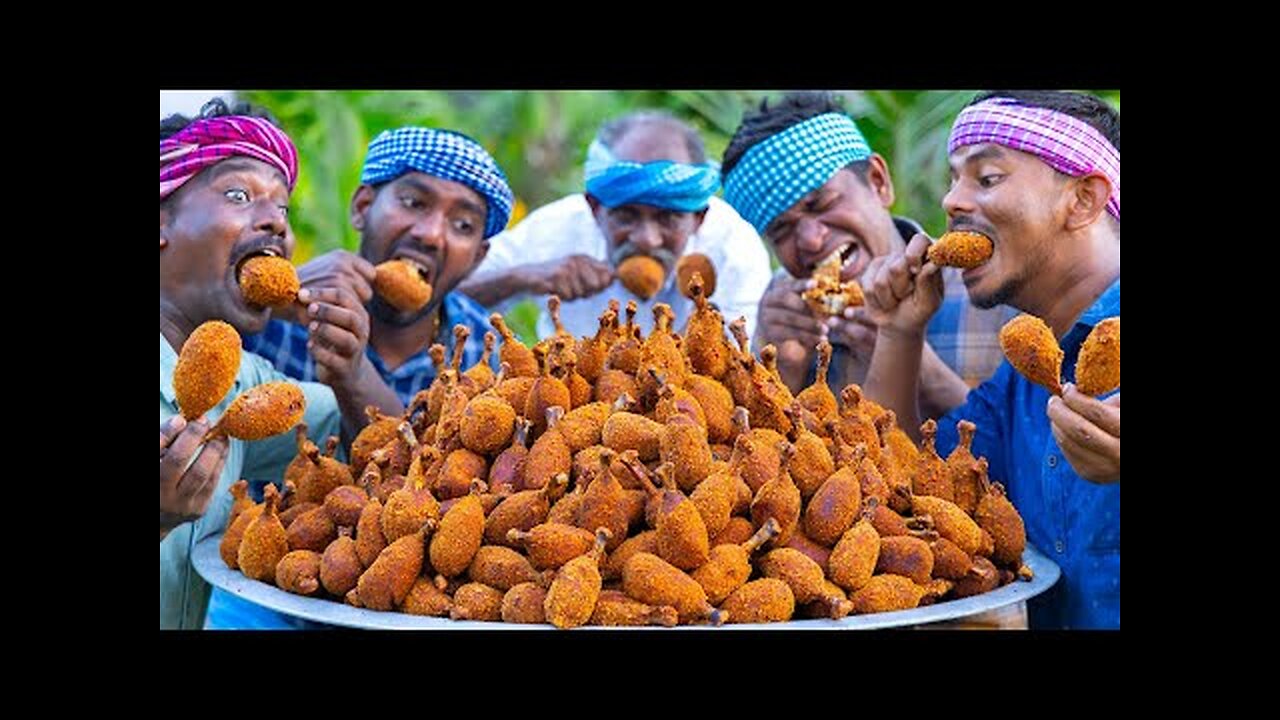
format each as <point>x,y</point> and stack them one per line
<point>800,171</point>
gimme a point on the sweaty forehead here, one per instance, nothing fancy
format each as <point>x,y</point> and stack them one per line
<point>244,166</point>
<point>652,141</point>
<point>971,156</point>
<point>254,174</point>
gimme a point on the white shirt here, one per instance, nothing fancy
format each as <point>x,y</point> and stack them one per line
<point>567,227</point>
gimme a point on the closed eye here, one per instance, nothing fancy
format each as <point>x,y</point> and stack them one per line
<point>823,202</point>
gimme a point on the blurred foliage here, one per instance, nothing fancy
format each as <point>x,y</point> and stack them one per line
<point>540,140</point>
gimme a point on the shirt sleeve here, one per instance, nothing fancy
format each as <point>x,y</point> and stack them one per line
<point>986,406</point>
<point>502,256</point>
<point>502,249</point>
<point>550,232</point>
<point>284,345</point>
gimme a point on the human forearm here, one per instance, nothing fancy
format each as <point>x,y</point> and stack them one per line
<point>893,379</point>
<point>493,287</point>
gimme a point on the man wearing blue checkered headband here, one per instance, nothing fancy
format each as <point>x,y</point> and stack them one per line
<point>800,171</point>
<point>429,200</point>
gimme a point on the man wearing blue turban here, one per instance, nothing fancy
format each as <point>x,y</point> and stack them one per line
<point>432,198</point>
<point>649,191</point>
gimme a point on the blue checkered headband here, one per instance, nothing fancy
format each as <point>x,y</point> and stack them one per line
<point>447,155</point>
<point>778,171</point>
<point>665,184</point>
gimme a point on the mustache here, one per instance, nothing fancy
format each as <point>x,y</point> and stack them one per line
<point>967,224</point>
<point>626,250</point>
<point>258,244</point>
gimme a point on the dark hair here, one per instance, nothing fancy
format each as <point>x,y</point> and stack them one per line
<point>1088,108</point>
<point>615,129</point>
<point>767,121</point>
<point>217,107</point>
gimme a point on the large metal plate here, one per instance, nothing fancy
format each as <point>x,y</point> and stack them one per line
<point>210,566</point>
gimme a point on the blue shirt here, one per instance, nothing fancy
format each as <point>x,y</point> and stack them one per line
<point>284,344</point>
<point>1073,521</point>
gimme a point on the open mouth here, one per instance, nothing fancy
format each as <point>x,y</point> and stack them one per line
<point>971,275</point>
<point>842,259</point>
<point>261,248</point>
<point>267,251</point>
<point>424,267</point>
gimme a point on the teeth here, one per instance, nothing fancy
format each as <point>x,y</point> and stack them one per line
<point>834,257</point>
<point>270,252</point>
<point>415,264</point>
<point>853,256</point>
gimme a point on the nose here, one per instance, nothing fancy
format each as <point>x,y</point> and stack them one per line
<point>428,230</point>
<point>810,235</point>
<point>958,200</point>
<point>271,219</point>
<point>647,236</point>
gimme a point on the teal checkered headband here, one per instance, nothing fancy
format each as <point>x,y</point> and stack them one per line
<point>778,171</point>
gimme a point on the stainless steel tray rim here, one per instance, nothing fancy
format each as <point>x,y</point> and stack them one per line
<point>208,562</point>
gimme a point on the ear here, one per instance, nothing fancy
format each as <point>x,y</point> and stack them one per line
<point>698,217</point>
<point>600,212</point>
<point>1086,199</point>
<point>360,202</point>
<point>879,179</point>
<point>164,220</point>
<point>481,252</point>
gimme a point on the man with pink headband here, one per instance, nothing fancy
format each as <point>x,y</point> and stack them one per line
<point>225,180</point>
<point>1038,172</point>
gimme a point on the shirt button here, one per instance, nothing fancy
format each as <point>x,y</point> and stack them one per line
<point>1053,461</point>
<point>1059,546</point>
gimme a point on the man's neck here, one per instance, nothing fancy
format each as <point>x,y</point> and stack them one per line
<point>174,326</point>
<point>397,344</point>
<point>1078,281</point>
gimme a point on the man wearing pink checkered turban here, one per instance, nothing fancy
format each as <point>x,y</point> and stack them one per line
<point>225,182</point>
<point>1037,172</point>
